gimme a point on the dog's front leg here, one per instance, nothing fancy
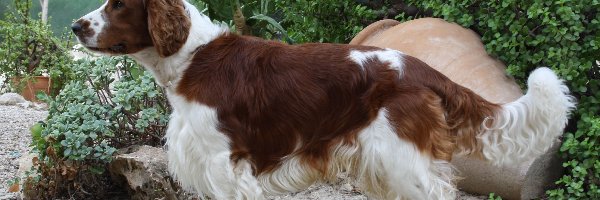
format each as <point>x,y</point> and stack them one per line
<point>200,157</point>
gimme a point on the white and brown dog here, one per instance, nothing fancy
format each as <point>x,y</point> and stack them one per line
<point>254,117</point>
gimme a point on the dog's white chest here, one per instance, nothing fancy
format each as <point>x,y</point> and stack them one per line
<point>197,151</point>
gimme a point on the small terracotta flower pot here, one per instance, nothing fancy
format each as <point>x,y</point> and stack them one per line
<point>33,86</point>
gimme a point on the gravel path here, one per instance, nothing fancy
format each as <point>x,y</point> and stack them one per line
<point>15,122</point>
<point>345,191</point>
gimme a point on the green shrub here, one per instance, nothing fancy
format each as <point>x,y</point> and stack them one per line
<point>247,17</point>
<point>111,104</point>
<point>583,150</point>
<point>295,21</point>
<point>561,34</point>
<point>323,20</point>
<point>97,109</point>
<point>29,48</point>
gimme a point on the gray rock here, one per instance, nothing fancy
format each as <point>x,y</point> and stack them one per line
<point>11,99</point>
<point>143,171</point>
<point>26,104</point>
<point>33,105</point>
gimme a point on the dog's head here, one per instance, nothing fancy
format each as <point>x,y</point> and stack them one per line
<point>128,26</point>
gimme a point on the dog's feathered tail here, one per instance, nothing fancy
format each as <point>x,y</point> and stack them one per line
<point>516,131</point>
<point>530,125</point>
<point>502,134</point>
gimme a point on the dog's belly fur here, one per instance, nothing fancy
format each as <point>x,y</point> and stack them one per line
<point>200,159</point>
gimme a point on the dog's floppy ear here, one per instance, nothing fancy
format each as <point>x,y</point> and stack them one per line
<point>169,25</point>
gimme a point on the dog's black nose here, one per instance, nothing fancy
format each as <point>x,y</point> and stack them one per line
<point>76,27</point>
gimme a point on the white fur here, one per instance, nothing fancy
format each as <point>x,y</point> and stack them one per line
<point>389,161</point>
<point>393,57</point>
<point>529,126</point>
<point>294,176</point>
<point>291,176</point>
<point>97,24</point>
<point>199,155</point>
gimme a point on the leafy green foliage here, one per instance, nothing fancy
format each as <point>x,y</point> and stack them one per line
<point>29,48</point>
<point>561,34</point>
<point>493,196</point>
<point>248,17</point>
<point>111,103</point>
<point>96,113</point>
<point>294,21</point>
<point>78,123</point>
<point>323,20</point>
<point>583,178</point>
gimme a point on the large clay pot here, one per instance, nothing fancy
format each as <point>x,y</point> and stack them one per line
<point>459,54</point>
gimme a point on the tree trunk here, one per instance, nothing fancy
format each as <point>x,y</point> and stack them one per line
<point>44,4</point>
<point>240,20</point>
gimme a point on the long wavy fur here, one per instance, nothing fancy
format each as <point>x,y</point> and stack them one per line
<point>528,127</point>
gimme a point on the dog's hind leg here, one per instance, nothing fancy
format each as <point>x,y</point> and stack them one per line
<point>247,184</point>
<point>391,167</point>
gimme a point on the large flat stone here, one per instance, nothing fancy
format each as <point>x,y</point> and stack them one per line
<point>11,99</point>
<point>143,171</point>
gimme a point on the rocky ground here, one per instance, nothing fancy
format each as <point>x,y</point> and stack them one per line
<point>16,120</point>
<point>345,191</point>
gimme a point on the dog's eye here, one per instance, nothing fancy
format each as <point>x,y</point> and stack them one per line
<point>118,4</point>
